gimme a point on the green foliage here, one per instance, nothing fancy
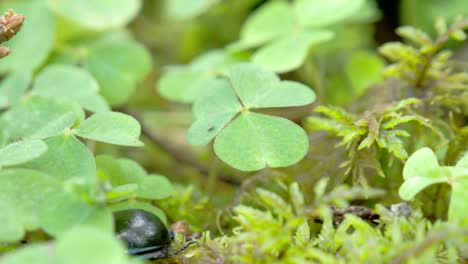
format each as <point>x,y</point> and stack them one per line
<point>426,66</point>
<point>280,48</point>
<point>373,130</point>
<point>246,140</point>
<point>66,165</point>
<point>354,240</point>
<point>190,204</point>
<point>422,170</point>
<point>118,66</point>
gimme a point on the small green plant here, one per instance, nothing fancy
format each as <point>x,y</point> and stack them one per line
<point>398,237</point>
<point>244,139</point>
<point>281,48</point>
<point>422,169</point>
<point>366,135</point>
<point>426,66</point>
<point>78,144</point>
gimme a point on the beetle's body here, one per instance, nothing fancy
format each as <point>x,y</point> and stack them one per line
<point>143,233</point>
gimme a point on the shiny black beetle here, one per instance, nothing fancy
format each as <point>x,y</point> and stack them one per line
<point>144,234</point>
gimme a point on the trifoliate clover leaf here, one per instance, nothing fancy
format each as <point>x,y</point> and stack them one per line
<point>70,83</point>
<point>111,127</point>
<point>244,139</point>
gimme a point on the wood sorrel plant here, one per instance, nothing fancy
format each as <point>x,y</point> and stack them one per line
<point>244,139</point>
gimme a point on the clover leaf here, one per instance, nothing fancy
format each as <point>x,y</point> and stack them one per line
<point>422,169</point>
<point>246,140</point>
<point>286,45</point>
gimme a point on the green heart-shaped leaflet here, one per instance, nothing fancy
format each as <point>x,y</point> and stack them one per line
<point>245,140</point>
<point>283,47</point>
<point>422,170</point>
